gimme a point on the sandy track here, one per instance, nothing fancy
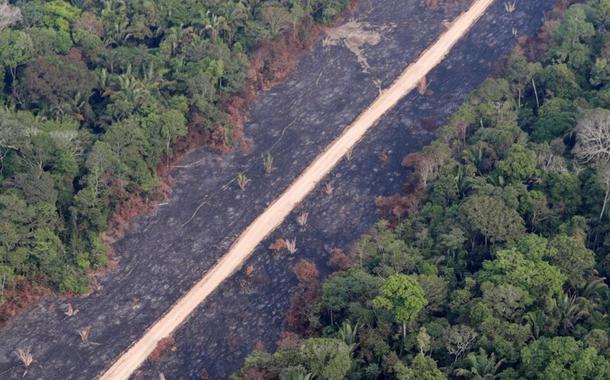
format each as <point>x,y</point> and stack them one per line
<point>275,214</point>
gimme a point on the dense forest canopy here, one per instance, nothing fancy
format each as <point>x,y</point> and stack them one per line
<point>495,265</point>
<point>95,95</point>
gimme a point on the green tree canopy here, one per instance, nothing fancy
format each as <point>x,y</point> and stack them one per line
<point>489,216</point>
<point>403,297</point>
<point>563,358</point>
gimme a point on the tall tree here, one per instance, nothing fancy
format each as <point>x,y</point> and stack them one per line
<point>403,297</point>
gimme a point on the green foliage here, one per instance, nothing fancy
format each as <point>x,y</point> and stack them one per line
<point>538,278</point>
<point>492,218</point>
<point>572,39</point>
<point>348,294</point>
<point>563,358</point>
<point>555,118</point>
<point>16,48</point>
<point>320,358</point>
<point>558,80</point>
<point>572,257</point>
<point>519,165</point>
<point>423,368</point>
<point>325,358</point>
<point>402,296</point>
<point>59,15</point>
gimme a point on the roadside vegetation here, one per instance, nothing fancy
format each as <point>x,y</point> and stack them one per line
<point>494,265</point>
<point>96,95</point>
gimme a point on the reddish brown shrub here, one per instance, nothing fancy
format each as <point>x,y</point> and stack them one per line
<point>166,344</point>
<point>431,3</point>
<point>339,260</point>
<point>278,245</point>
<point>306,272</point>
<point>288,340</point>
<point>257,374</point>
<point>249,270</point>
<point>18,297</point>
<point>301,308</point>
<point>395,207</point>
<point>259,346</point>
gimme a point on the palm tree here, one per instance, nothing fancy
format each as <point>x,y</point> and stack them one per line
<point>595,288</point>
<point>570,309</point>
<point>298,375</point>
<point>481,366</point>
<point>131,88</point>
<point>103,82</point>
<point>594,295</point>
<point>348,334</point>
<point>236,14</point>
<point>212,24</point>
<point>536,320</point>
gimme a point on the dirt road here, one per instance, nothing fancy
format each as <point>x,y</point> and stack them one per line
<point>273,216</point>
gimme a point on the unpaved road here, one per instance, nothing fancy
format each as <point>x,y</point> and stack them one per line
<point>275,214</point>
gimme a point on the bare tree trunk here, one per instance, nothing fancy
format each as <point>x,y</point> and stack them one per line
<point>536,93</point>
<point>601,214</point>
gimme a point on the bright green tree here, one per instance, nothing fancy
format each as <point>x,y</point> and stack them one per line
<point>492,218</point>
<point>403,297</point>
<point>563,358</point>
<point>537,277</point>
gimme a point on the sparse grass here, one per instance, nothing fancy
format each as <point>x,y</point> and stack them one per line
<point>302,219</point>
<point>242,181</point>
<point>422,86</point>
<point>71,311</point>
<point>25,357</point>
<point>383,156</point>
<point>329,188</point>
<point>377,84</point>
<point>291,246</point>
<point>432,4</point>
<point>510,6</point>
<point>349,154</point>
<point>84,334</point>
<point>268,163</point>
